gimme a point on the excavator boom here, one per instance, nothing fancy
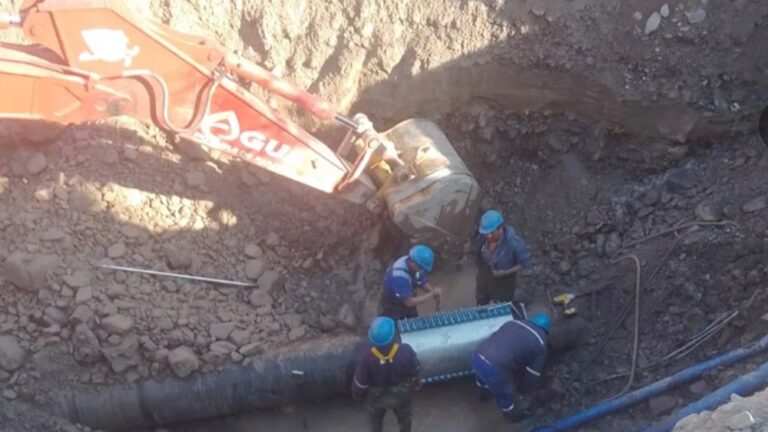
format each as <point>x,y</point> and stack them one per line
<point>94,59</point>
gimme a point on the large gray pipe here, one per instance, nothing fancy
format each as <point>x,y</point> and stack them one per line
<point>315,370</point>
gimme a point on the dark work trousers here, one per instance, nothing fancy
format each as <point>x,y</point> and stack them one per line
<point>490,289</point>
<point>396,309</point>
<point>490,379</point>
<point>397,398</point>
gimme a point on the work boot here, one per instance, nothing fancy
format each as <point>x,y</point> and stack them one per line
<point>517,415</point>
<point>483,392</point>
<point>521,411</point>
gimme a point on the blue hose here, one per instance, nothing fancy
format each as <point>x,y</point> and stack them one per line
<point>659,387</point>
<point>742,386</point>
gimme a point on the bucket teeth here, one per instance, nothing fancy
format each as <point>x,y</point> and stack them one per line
<point>448,318</point>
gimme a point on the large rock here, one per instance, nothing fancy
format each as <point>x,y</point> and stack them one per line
<point>223,347</point>
<point>240,337</point>
<point>85,344</point>
<point>183,361</point>
<point>252,348</point>
<point>222,331</point>
<point>117,324</point>
<point>662,405</point>
<point>12,355</point>
<point>327,324</point>
<point>219,352</point>
<point>271,281</point>
<point>253,251</point>
<point>83,294</point>
<point>651,197</point>
<point>254,268</point>
<point>681,179</point>
<point>116,250</point>
<point>740,421</point>
<point>652,23</point>
<point>259,297</point>
<point>699,388</point>
<point>297,333</point>
<point>36,163</point>
<point>28,272</point>
<point>82,315</point>
<point>77,279</point>
<point>54,315</point>
<point>709,211</point>
<point>86,199</point>
<point>696,15</point>
<point>178,257</point>
<point>756,204</point>
<point>53,234</point>
<point>124,355</point>
<point>347,316</point>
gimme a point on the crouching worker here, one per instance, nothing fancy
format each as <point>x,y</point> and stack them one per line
<point>409,273</point>
<point>386,376</point>
<point>511,361</point>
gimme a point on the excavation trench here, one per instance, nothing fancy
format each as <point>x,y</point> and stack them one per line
<point>522,90</point>
<point>271,380</point>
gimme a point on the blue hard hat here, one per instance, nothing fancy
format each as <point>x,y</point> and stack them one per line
<point>382,331</point>
<point>423,256</point>
<point>542,321</point>
<point>490,222</point>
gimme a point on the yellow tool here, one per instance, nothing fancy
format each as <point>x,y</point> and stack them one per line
<point>565,300</point>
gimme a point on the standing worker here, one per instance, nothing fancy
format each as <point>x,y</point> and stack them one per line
<point>387,375</point>
<point>403,277</point>
<point>510,361</point>
<point>500,256</point>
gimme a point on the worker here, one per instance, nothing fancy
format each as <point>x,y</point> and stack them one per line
<point>510,361</point>
<point>407,274</point>
<point>500,255</point>
<point>386,375</point>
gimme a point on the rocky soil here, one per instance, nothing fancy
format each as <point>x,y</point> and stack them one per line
<point>594,125</point>
<point>738,415</point>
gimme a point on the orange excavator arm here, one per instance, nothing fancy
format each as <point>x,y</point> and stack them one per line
<point>93,59</point>
<point>97,59</point>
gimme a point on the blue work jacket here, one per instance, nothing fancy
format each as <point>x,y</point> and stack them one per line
<point>399,282</point>
<point>510,252</point>
<point>519,348</point>
<point>372,371</point>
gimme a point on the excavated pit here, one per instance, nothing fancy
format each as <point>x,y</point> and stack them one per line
<point>591,129</point>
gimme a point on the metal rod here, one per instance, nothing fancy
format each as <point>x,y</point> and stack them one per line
<point>178,275</point>
<point>346,121</point>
